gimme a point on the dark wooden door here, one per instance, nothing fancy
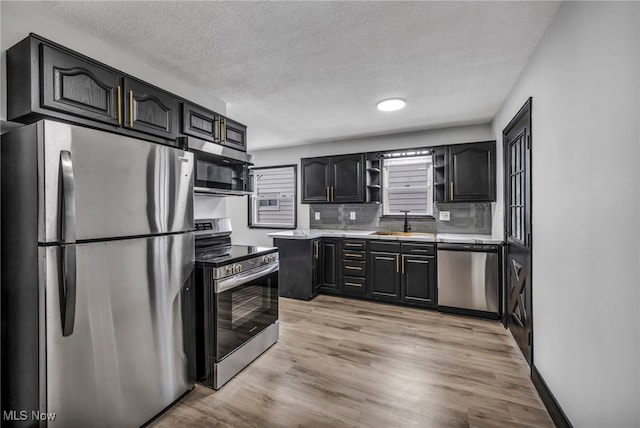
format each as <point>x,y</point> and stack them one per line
<point>316,264</point>
<point>347,178</point>
<point>150,110</point>
<point>419,279</point>
<point>384,274</point>
<point>330,263</point>
<point>234,134</point>
<point>315,180</point>
<point>74,86</point>
<point>517,208</point>
<point>472,172</point>
<point>200,123</point>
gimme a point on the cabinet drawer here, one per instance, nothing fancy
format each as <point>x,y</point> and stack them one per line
<point>354,268</point>
<point>420,249</point>
<point>387,247</point>
<point>353,254</point>
<point>352,244</point>
<point>354,285</point>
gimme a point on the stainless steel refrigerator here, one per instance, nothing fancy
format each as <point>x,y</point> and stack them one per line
<point>97,256</point>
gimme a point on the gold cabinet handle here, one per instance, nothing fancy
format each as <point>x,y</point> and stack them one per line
<point>353,267</point>
<point>353,245</point>
<point>333,198</point>
<point>316,244</point>
<point>119,105</point>
<point>403,263</point>
<point>398,263</point>
<point>328,200</point>
<point>353,284</point>
<point>225,131</point>
<point>131,109</point>
<point>353,255</point>
<point>451,191</point>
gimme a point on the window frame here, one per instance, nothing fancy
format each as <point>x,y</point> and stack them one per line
<point>385,190</point>
<point>252,197</point>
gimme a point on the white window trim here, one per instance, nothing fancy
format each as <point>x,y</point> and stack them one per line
<point>428,186</point>
<point>254,198</point>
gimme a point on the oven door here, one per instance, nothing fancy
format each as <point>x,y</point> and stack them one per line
<point>245,305</point>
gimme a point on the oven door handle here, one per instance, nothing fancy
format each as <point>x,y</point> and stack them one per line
<point>222,285</point>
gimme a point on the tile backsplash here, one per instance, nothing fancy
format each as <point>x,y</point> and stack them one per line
<point>474,218</point>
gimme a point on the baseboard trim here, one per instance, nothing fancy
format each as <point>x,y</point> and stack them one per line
<point>554,409</point>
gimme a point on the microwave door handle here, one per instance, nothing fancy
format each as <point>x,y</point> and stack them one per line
<point>226,284</point>
<point>67,286</point>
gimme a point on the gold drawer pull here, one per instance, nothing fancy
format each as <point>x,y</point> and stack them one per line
<point>353,255</point>
<point>353,245</point>
<point>119,105</point>
<point>131,109</point>
<point>353,284</point>
<point>353,267</point>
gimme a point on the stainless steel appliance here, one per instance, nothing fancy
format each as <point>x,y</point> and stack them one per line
<point>236,302</point>
<point>469,277</point>
<point>219,169</point>
<point>97,256</point>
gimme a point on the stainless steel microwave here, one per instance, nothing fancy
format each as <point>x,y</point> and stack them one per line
<point>217,169</point>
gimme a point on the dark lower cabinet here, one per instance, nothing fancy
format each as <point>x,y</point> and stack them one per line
<point>384,276</point>
<point>330,250</point>
<point>299,268</point>
<point>316,267</point>
<point>419,279</point>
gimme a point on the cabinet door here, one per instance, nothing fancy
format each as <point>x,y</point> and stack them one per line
<point>347,178</point>
<point>199,122</point>
<point>315,180</point>
<point>472,172</point>
<point>74,86</point>
<point>419,279</point>
<point>316,275</point>
<point>234,134</point>
<point>384,275</point>
<point>330,263</point>
<point>150,110</point>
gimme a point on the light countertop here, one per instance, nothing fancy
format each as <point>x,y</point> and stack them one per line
<point>367,234</point>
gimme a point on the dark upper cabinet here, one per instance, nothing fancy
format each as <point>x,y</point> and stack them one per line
<point>150,110</point>
<point>419,279</point>
<point>315,180</point>
<point>77,87</point>
<point>233,134</point>
<point>384,275</point>
<point>472,172</point>
<point>347,178</point>
<point>338,179</point>
<point>330,253</point>
<point>200,123</point>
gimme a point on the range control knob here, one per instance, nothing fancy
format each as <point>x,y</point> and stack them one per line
<point>266,259</point>
<point>229,270</point>
<point>237,268</point>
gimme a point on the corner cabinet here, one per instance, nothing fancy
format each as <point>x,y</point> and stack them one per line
<point>48,80</point>
<point>465,172</point>
<point>333,179</point>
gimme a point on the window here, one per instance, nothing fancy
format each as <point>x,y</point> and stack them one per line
<point>274,199</point>
<point>407,184</point>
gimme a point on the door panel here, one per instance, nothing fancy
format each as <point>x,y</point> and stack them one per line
<point>384,274</point>
<point>329,265</point>
<point>150,110</point>
<point>123,186</point>
<point>124,361</point>
<point>315,180</point>
<point>347,178</point>
<point>517,223</point>
<point>472,172</point>
<point>74,86</point>
<point>419,279</point>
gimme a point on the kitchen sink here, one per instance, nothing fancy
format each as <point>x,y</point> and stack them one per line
<point>420,234</point>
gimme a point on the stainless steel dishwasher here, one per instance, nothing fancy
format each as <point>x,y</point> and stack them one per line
<point>469,277</point>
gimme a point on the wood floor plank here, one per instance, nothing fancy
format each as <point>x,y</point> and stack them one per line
<point>352,363</point>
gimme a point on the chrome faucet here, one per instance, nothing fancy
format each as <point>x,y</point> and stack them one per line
<point>407,226</point>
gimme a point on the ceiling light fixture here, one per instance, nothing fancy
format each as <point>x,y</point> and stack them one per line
<point>391,104</point>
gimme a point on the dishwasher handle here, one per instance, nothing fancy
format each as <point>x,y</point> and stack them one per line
<point>483,248</point>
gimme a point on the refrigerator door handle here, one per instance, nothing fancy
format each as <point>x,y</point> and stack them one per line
<point>67,290</point>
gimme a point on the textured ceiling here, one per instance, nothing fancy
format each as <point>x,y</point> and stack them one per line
<point>305,72</point>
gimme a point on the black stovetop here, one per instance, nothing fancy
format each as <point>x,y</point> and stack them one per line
<point>221,256</point>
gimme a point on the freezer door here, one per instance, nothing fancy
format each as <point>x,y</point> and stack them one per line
<point>125,359</point>
<point>121,186</point>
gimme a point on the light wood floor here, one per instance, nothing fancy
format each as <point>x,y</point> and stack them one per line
<point>350,363</point>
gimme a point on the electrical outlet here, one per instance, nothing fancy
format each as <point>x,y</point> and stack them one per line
<point>317,213</point>
<point>352,215</point>
<point>445,215</point>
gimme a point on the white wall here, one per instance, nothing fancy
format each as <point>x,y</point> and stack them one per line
<point>237,206</point>
<point>583,78</point>
<point>21,18</point>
